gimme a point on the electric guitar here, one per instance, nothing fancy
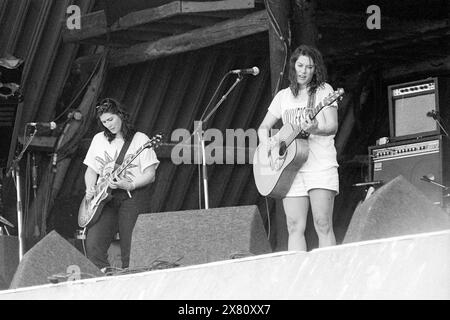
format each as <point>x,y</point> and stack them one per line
<point>275,166</point>
<point>90,210</point>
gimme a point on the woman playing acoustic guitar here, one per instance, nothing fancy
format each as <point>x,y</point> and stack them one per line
<point>129,194</point>
<point>317,181</point>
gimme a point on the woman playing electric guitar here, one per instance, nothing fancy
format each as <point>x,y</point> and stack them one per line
<point>129,195</point>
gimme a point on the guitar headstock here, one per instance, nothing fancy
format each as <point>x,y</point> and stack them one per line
<point>334,96</point>
<point>154,141</point>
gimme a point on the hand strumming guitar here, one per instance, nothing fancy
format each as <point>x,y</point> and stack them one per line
<point>90,192</point>
<point>124,184</point>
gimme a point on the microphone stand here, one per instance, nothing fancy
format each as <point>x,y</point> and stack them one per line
<point>434,182</point>
<point>436,116</point>
<point>15,170</point>
<point>202,140</point>
<point>369,187</point>
<point>445,203</point>
<point>3,224</point>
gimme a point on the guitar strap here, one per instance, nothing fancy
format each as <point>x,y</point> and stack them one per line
<point>309,106</point>
<point>119,193</point>
<point>124,149</point>
<point>311,100</point>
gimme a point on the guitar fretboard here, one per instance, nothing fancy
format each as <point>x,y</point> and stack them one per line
<point>150,144</point>
<point>326,101</point>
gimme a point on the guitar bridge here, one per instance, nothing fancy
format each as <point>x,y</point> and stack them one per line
<point>302,135</point>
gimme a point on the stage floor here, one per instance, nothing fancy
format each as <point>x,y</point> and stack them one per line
<point>406,267</point>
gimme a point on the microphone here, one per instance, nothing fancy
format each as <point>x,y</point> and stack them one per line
<point>76,115</point>
<point>364,184</point>
<point>253,71</point>
<point>432,114</point>
<point>51,125</point>
<point>428,178</point>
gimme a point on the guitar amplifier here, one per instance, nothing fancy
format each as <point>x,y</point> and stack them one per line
<point>424,162</point>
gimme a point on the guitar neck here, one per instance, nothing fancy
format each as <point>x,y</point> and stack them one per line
<point>316,110</point>
<point>326,102</point>
<point>127,162</point>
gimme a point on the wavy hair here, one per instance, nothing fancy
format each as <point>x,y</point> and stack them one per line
<point>320,72</point>
<point>110,105</point>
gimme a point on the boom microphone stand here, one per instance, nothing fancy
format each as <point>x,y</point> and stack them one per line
<point>437,117</point>
<point>430,179</point>
<point>199,131</point>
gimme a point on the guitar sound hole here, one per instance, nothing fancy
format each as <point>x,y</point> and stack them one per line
<point>282,150</point>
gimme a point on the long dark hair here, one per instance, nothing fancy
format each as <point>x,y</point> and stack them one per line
<point>110,105</point>
<point>320,72</point>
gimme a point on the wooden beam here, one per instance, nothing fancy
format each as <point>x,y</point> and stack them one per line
<point>195,7</point>
<point>94,24</point>
<point>164,151</point>
<point>196,39</point>
<point>278,43</point>
<point>433,66</point>
<point>41,143</point>
<point>234,154</point>
<point>405,34</point>
<point>305,30</point>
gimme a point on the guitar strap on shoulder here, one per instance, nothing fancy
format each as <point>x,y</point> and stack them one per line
<point>311,100</point>
<point>124,149</point>
<point>309,106</point>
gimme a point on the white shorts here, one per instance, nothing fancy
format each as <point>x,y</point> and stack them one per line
<point>305,181</point>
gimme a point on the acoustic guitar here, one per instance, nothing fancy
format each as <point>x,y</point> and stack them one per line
<point>90,210</point>
<point>275,166</point>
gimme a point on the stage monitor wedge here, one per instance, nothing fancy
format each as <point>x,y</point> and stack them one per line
<point>397,208</point>
<point>198,236</point>
<point>55,257</point>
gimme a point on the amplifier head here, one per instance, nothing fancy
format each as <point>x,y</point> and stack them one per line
<point>414,160</point>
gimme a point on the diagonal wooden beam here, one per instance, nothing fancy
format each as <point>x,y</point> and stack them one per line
<point>432,66</point>
<point>401,34</point>
<point>210,6</point>
<point>94,24</point>
<point>196,39</point>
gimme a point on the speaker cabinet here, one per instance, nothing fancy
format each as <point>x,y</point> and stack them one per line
<point>198,236</point>
<point>396,209</point>
<point>54,257</point>
<point>412,104</point>
<point>418,161</point>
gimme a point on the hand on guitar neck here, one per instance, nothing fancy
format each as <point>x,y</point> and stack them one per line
<point>307,124</point>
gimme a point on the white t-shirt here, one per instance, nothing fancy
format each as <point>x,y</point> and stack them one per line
<point>102,156</point>
<point>322,152</point>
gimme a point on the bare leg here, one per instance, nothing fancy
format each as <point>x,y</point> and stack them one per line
<point>296,209</point>
<point>322,203</point>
